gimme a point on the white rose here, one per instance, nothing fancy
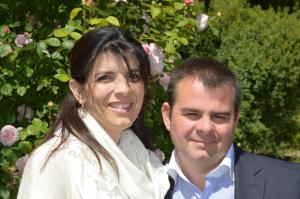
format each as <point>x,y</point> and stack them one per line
<point>202,22</point>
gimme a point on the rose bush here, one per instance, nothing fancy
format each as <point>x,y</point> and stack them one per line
<point>34,67</point>
<point>35,40</point>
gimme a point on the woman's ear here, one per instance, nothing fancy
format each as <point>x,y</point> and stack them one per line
<point>77,90</point>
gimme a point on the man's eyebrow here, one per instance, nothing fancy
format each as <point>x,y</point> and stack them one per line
<point>189,109</point>
<point>226,113</point>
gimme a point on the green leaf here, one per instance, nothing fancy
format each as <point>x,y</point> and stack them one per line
<point>61,32</point>
<point>21,90</point>
<point>33,129</point>
<point>95,21</point>
<point>170,48</point>
<point>39,87</point>
<point>25,146</point>
<point>57,55</point>
<point>15,54</point>
<point>53,42</point>
<point>5,50</point>
<point>183,23</point>
<point>69,28</point>
<point>41,45</point>
<point>29,72</point>
<point>112,20</point>
<point>5,194</point>
<point>61,71</point>
<point>7,72</point>
<point>15,24</point>
<point>183,41</point>
<point>68,44</point>
<point>74,12</point>
<point>28,27</point>
<point>154,11</point>
<point>171,34</point>
<point>215,31</point>
<point>75,35</point>
<point>6,89</point>
<point>62,77</point>
<point>169,10</point>
<point>178,5</point>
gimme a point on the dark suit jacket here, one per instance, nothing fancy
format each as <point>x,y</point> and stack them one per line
<point>261,177</point>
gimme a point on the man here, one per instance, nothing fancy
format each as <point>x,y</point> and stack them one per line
<point>201,115</point>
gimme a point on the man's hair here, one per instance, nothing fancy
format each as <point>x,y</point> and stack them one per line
<point>210,72</point>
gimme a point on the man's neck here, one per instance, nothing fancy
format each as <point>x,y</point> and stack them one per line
<point>196,170</point>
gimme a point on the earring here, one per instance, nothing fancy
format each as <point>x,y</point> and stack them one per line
<point>82,111</point>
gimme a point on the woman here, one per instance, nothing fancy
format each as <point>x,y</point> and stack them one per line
<point>92,151</point>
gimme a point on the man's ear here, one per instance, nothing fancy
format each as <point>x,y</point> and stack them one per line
<point>77,90</point>
<point>166,115</point>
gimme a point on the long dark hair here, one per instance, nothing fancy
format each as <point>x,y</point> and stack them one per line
<point>82,58</point>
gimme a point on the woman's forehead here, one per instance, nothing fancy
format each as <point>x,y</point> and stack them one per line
<point>113,61</point>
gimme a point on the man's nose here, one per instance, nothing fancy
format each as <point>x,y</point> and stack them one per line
<point>205,125</point>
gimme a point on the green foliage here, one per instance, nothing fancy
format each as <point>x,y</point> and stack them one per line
<point>34,70</point>
<point>262,47</point>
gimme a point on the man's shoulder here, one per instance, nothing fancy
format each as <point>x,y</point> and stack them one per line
<point>267,163</point>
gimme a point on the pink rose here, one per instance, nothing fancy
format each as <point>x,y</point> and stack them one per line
<point>164,81</point>
<point>202,22</point>
<point>159,154</point>
<point>188,2</point>
<point>156,58</point>
<point>89,2</point>
<point>9,135</point>
<point>146,48</point>
<point>21,162</point>
<point>23,39</point>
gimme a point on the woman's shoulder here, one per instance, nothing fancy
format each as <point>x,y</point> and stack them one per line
<point>65,155</point>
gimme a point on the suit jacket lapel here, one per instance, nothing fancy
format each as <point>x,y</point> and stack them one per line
<point>249,179</point>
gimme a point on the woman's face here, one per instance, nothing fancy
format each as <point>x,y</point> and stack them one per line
<point>112,95</point>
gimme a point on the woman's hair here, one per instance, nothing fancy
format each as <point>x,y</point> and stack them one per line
<point>82,58</point>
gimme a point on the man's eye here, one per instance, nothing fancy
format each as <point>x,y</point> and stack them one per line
<point>220,118</point>
<point>192,116</point>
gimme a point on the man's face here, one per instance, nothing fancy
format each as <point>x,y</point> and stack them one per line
<point>201,122</point>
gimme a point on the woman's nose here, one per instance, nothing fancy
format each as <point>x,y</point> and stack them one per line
<point>122,85</point>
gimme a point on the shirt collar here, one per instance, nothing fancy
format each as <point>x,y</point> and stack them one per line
<point>226,164</point>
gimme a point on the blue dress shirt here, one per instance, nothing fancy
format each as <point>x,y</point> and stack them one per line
<point>219,183</point>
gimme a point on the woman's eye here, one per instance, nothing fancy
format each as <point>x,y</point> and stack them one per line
<point>104,78</point>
